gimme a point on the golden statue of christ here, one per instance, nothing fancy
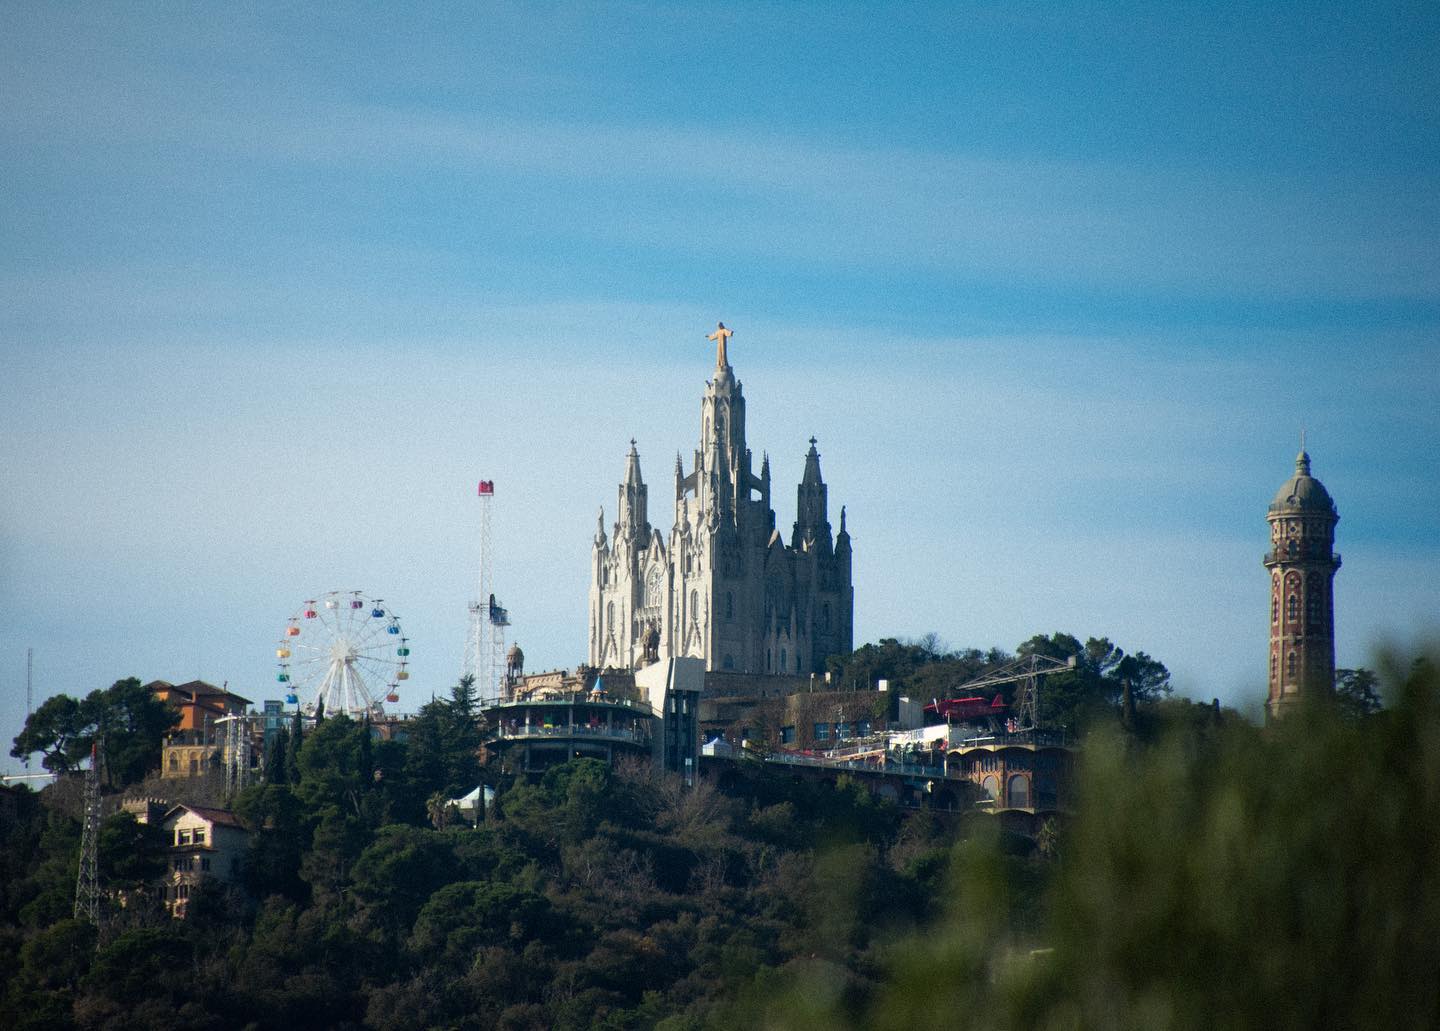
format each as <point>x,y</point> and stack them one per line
<point>720,336</point>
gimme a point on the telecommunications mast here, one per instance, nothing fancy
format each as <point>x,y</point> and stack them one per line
<point>29,692</point>
<point>485,644</point>
<point>87,880</point>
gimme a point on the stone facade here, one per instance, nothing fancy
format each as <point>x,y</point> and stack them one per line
<point>1302,563</point>
<point>204,843</point>
<point>725,587</point>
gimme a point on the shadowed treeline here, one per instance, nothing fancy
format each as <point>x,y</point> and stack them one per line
<point>1223,876</point>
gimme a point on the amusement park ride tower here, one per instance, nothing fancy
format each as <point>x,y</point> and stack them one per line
<point>485,644</point>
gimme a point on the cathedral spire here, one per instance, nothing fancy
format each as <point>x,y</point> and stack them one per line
<point>600,538</point>
<point>632,467</point>
<point>812,524</point>
<point>634,519</point>
<point>812,466</point>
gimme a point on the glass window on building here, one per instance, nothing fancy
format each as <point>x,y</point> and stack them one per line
<point>787,735</point>
<point>822,732</point>
<point>863,728</point>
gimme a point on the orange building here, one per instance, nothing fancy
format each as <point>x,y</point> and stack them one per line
<point>196,743</point>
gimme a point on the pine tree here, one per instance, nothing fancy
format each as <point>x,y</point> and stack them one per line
<point>276,756</point>
<point>292,750</point>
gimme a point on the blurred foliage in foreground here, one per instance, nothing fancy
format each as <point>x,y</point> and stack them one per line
<point>1220,877</point>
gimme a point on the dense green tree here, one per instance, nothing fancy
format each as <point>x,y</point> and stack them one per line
<point>42,986</point>
<point>132,721</point>
<point>461,918</point>
<point>131,854</point>
<point>1098,682</point>
<point>293,743</point>
<point>1357,693</point>
<point>276,821</point>
<point>276,751</point>
<point>443,744</point>
<point>398,872</point>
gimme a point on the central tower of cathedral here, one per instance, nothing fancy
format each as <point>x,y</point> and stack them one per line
<point>725,587</point>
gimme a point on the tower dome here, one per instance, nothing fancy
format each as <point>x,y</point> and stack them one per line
<point>1302,492</point>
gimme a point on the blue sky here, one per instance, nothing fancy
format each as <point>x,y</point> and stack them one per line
<point>1055,286</point>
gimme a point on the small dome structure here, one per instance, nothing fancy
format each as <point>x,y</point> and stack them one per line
<point>1302,492</point>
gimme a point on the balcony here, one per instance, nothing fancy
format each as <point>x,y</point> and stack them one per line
<point>1027,739</point>
<point>579,731</point>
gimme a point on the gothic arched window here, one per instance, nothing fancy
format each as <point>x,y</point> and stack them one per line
<point>1290,665</point>
<point>1312,606</point>
<point>1275,609</point>
<point>1292,608</point>
<point>610,616</point>
<point>1019,792</point>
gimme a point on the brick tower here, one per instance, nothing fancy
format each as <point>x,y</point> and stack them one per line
<point>1302,563</point>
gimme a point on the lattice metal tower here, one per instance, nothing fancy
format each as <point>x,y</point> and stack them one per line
<point>87,881</point>
<point>237,753</point>
<point>485,644</point>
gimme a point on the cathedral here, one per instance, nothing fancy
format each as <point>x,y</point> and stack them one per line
<point>725,587</point>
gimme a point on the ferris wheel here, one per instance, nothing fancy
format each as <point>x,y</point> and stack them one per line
<point>343,649</point>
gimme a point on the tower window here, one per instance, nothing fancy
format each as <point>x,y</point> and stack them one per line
<point>1019,792</point>
<point>1275,609</point>
<point>1274,666</point>
<point>782,660</point>
<point>1292,608</point>
<point>1312,607</point>
<point>1290,666</point>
